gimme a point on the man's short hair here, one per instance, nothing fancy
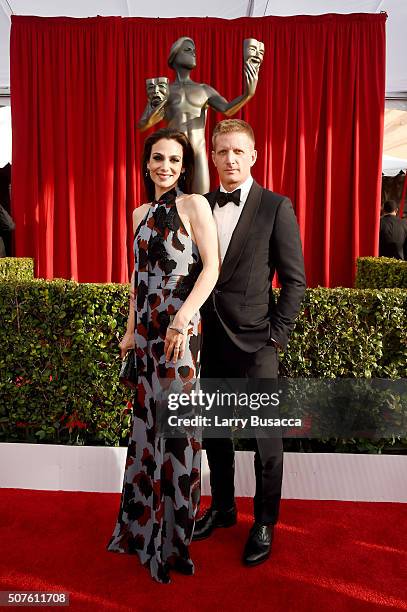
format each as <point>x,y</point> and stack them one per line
<point>390,206</point>
<point>227,126</point>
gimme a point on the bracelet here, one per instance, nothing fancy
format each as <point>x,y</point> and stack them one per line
<point>180,330</point>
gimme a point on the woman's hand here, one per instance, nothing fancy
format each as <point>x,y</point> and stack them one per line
<point>127,343</point>
<point>174,345</point>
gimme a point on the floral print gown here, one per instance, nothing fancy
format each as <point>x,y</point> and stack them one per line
<point>161,484</point>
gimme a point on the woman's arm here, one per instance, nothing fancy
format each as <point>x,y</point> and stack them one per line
<point>204,230</point>
<point>127,341</point>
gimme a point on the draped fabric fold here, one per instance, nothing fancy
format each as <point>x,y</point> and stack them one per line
<point>78,89</point>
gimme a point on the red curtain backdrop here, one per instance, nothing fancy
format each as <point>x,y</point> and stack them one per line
<point>78,89</point>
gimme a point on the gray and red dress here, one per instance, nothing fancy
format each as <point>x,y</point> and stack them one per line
<point>161,484</point>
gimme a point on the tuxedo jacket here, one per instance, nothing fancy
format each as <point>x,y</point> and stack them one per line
<point>393,237</point>
<point>265,240</point>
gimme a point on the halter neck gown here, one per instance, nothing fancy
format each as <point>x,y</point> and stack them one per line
<point>161,484</point>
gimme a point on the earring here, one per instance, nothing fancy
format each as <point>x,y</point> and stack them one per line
<point>147,172</point>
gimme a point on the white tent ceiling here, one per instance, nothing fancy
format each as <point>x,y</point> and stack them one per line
<point>396,78</point>
<point>392,166</point>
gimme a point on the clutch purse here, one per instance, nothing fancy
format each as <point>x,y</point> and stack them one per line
<point>128,371</point>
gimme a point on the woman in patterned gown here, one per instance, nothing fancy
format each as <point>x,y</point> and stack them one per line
<point>176,268</point>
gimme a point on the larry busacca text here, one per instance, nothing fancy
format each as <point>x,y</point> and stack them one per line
<point>220,400</point>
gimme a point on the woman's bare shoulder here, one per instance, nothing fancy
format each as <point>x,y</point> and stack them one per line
<point>140,209</point>
<point>139,213</point>
<point>193,201</point>
<point>192,197</point>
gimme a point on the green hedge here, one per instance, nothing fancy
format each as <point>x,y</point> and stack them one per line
<point>380,273</point>
<point>349,333</point>
<point>59,356</point>
<point>16,268</point>
<point>59,362</point>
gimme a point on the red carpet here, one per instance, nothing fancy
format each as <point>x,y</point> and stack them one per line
<point>327,556</point>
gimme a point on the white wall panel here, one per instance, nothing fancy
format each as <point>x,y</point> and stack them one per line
<point>306,475</point>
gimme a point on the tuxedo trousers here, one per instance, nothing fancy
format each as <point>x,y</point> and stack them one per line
<point>221,358</point>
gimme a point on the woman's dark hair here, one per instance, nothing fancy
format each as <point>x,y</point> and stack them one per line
<point>185,180</point>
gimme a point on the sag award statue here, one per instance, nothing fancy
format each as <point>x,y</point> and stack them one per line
<point>183,103</point>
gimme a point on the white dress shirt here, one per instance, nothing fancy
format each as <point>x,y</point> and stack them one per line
<point>226,218</point>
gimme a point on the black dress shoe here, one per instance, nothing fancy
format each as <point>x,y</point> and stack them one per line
<point>212,519</point>
<point>258,545</point>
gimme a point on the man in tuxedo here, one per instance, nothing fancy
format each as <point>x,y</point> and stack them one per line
<point>393,232</point>
<point>243,325</point>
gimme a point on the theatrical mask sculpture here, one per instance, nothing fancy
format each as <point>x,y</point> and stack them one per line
<point>185,105</point>
<point>157,90</point>
<point>253,52</point>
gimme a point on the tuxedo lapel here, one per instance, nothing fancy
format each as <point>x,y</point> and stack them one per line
<point>211,197</point>
<point>240,233</point>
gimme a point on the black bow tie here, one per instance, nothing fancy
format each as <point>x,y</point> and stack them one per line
<point>223,198</point>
